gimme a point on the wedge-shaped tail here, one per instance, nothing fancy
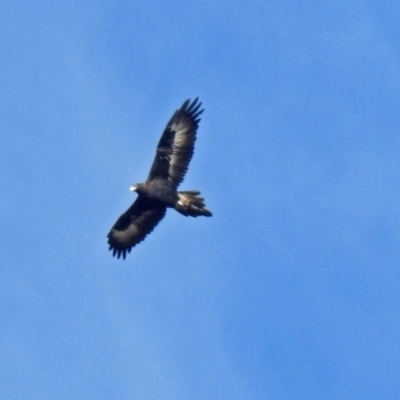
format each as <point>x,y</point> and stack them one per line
<point>190,204</point>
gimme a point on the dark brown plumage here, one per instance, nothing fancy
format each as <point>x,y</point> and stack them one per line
<point>159,192</point>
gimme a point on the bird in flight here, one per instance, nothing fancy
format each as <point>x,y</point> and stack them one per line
<point>159,191</point>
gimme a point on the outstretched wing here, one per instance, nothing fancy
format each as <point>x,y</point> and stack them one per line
<point>176,146</point>
<point>134,225</point>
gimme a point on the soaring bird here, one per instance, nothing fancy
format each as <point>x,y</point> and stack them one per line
<point>159,191</point>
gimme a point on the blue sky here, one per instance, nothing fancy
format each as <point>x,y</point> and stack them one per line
<point>291,290</point>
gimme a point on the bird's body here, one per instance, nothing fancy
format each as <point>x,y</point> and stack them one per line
<point>159,192</point>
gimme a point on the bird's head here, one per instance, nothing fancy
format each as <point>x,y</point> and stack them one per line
<point>136,187</point>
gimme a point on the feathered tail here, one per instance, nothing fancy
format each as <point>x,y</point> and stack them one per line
<point>189,204</point>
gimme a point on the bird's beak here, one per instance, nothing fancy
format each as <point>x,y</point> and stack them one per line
<point>133,188</point>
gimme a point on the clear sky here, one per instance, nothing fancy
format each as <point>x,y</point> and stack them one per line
<point>291,290</point>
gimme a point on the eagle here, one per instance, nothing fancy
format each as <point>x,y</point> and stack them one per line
<point>159,191</point>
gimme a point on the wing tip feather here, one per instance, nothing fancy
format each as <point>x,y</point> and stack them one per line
<point>193,108</point>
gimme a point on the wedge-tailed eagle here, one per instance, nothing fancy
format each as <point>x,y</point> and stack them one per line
<point>159,191</point>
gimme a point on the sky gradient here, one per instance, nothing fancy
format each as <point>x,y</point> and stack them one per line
<point>291,290</point>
